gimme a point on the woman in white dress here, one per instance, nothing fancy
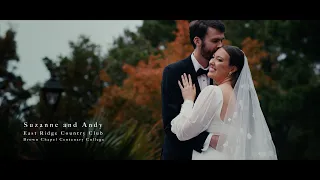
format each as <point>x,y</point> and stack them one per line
<point>230,110</point>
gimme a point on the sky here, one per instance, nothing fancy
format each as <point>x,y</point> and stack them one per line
<point>39,38</point>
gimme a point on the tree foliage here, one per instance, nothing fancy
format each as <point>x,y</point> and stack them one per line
<point>291,47</point>
<point>141,89</point>
<point>132,47</point>
<point>13,99</point>
<point>79,76</point>
<point>122,88</point>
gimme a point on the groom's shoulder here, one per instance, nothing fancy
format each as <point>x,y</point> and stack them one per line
<point>177,65</point>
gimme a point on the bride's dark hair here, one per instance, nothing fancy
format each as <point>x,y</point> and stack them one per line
<point>236,59</point>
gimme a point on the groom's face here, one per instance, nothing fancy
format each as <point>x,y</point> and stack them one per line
<point>211,43</point>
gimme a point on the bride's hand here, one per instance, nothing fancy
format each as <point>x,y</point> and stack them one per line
<point>188,89</point>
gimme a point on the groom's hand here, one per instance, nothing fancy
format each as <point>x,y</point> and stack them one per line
<point>214,141</point>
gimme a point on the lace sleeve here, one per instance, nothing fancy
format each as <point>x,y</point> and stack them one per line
<point>193,120</point>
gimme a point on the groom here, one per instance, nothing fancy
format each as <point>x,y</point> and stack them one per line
<point>206,37</point>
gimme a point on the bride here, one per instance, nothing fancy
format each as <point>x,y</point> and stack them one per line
<point>230,110</point>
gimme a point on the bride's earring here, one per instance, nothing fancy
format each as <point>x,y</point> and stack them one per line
<point>229,74</point>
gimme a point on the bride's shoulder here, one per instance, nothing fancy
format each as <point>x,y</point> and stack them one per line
<point>225,87</point>
<point>212,92</point>
<point>226,90</point>
<point>213,88</point>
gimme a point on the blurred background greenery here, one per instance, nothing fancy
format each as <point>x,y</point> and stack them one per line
<point>121,89</point>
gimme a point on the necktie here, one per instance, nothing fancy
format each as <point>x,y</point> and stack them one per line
<point>202,71</point>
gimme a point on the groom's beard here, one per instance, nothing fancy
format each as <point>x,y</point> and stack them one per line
<point>207,54</point>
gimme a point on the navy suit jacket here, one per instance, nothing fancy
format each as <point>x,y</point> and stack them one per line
<point>172,99</point>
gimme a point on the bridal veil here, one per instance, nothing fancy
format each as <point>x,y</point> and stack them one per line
<point>246,135</point>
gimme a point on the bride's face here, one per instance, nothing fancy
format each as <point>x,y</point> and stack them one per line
<point>219,68</point>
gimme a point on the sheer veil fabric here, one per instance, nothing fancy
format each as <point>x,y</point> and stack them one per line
<point>245,135</point>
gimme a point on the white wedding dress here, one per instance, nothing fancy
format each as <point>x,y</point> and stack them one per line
<point>243,133</point>
<point>204,116</point>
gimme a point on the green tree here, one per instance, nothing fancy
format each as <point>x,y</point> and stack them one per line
<point>129,48</point>
<point>79,76</point>
<point>132,47</point>
<point>158,31</point>
<point>291,114</point>
<point>13,100</point>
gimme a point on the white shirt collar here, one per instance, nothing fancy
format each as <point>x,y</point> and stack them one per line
<point>196,64</point>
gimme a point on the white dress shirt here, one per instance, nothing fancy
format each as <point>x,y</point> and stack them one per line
<point>203,81</point>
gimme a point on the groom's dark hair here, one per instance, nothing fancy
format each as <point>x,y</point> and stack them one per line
<point>199,28</point>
